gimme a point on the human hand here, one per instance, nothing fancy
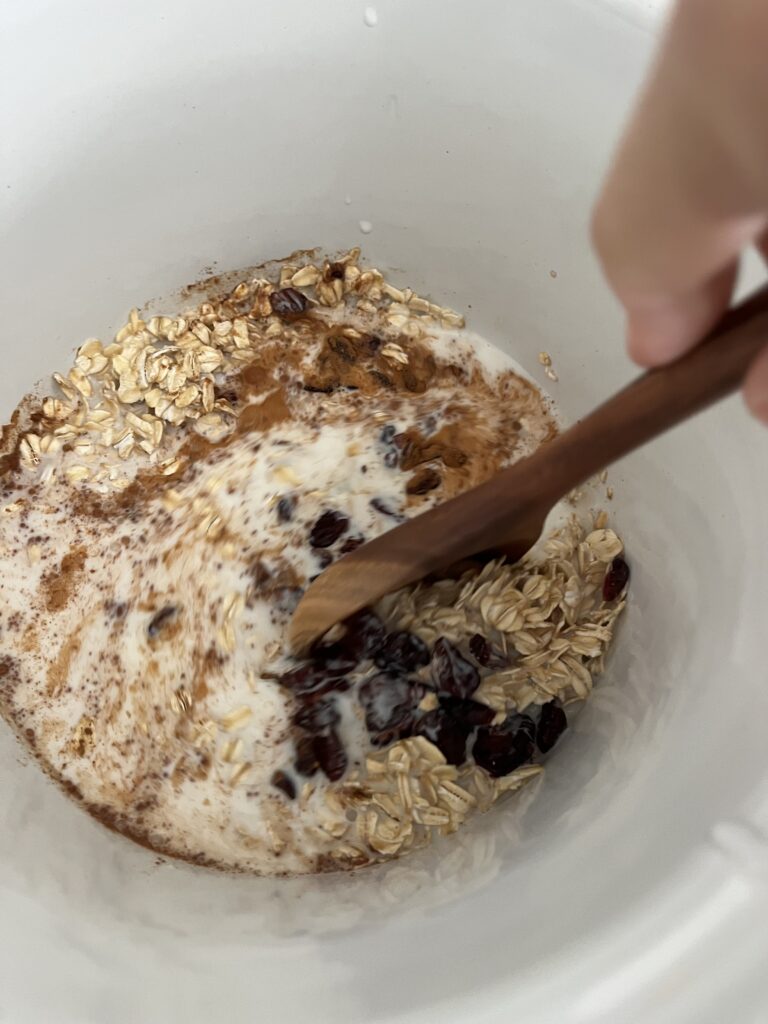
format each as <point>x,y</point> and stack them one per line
<point>688,189</point>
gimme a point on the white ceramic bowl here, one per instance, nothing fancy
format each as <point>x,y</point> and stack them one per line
<point>146,141</point>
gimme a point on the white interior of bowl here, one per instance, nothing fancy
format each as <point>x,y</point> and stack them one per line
<point>150,141</point>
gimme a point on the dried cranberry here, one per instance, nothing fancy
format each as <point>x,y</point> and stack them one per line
<point>402,652</point>
<point>551,726</point>
<point>616,579</point>
<point>285,784</point>
<point>319,716</point>
<point>480,649</point>
<point>381,506</point>
<point>502,748</point>
<point>328,528</point>
<point>286,507</point>
<point>288,303</point>
<point>470,711</point>
<point>452,673</point>
<point>330,754</point>
<point>160,620</point>
<point>351,544</point>
<point>364,634</point>
<point>306,762</point>
<point>390,704</point>
<point>447,733</point>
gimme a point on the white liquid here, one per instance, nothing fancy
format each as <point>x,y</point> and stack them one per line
<point>123,686</point>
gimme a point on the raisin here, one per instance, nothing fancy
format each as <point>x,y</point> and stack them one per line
<point>160,620</point>
<point>422,482</point>
<point>343,349</point>
<point>300,678</point>
<point>335,658</point>
<point>381,378</point>
<point>447,733</point>
<point>364,635</point>
<point>390,704</point>
<point>551,726</point>
<point>319,716</point>
<point>414,384</point>
<point>502,748</point>
<point>306,762</point>
<point>330,755</point>
<point>470,711</point>
<point>314,680</point>
<point>285,784</point>
<point>415,452</point>
<point>286,507</point>
<point>387,433</point>
<point>351,544</point>
<point>288,303</point>
<point>391,458</point>
<point>616,579</point>
<point>336,271</point>
<point>487,655</point>
<point>480,649</point>
<point>452,673</point>
<point>402,652</point>
<point>328,528</point>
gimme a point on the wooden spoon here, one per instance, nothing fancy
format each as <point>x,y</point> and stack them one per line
<point>506,513</point>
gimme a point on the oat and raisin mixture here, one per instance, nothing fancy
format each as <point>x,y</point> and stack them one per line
<point>161,513</point>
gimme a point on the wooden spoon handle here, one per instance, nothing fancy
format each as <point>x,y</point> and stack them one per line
<point>508,511</point>
<point>658,400</point>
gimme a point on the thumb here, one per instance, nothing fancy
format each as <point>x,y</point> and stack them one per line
<point>663,326</point>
